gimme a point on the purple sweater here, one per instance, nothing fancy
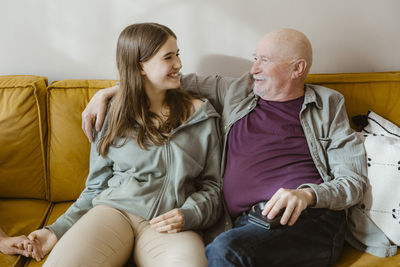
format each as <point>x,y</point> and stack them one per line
<point>267,150</point>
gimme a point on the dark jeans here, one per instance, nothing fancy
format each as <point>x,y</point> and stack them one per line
<point>316,239</point>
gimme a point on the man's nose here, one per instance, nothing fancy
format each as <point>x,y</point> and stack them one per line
<point>255,68</point>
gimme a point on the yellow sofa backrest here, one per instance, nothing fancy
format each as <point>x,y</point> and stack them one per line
<point>68,150</point>
<point>378,92</point>
<point>68,147</point>
<point>22,134</point>
<point>44,153</point>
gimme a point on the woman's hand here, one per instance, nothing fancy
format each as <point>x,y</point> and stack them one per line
<point>169,222</point>
<point>43,241</point>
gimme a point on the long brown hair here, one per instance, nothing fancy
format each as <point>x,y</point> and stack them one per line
<point>129,114</point>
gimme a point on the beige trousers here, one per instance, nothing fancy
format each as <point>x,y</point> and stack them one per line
<point>105,236</point>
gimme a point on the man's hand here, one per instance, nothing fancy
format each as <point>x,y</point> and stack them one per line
<point>9,245</point>
<point>170,222</point>
<point>294,202</point>
<point>95,111</point>
<point>44,239</point>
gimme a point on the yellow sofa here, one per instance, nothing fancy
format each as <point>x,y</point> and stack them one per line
<point>44,154</point>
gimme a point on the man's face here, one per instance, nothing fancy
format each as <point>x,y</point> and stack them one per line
<point>271,69</point>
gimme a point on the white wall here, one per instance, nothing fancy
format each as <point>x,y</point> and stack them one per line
<point>77,38</point>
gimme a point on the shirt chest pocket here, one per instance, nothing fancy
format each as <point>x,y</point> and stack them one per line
<point>325,142</point>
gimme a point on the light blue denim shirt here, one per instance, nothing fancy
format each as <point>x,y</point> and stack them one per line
<point>337,151</point>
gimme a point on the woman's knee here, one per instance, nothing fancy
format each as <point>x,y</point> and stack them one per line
<point>195,258</point>
<point>101,237</point>
<point>181,249</point>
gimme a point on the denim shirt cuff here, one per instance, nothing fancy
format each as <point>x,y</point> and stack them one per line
<point>319,201</point>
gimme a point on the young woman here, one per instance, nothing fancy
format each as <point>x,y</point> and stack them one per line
<point>154,173</point>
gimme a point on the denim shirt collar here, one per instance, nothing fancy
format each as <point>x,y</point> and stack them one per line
<point>311,97</point>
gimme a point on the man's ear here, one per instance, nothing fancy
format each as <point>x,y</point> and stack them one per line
<point>300,67</point>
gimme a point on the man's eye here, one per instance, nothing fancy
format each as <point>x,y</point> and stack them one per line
<point>177,54</point>
<point>166,58</point>
<point>265,60</point>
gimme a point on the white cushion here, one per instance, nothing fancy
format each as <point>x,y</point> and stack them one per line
<point>381,202</point>
<point>379,125</point>
<point>382,199</point>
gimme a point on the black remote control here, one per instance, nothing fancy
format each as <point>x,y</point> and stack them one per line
<point>257,218</point>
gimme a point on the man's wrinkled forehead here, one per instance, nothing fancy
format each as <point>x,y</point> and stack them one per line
<point>271,46</point>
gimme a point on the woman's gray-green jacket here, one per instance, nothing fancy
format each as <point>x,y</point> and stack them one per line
<point>184,173</point>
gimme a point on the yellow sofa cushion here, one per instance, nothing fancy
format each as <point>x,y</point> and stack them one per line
<point>354,258</point>
<point>68,149</point>
<point>22,131</point>
<point>21,217</point>
<point>378,92</point>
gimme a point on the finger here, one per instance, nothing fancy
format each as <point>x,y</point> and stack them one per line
<point>165,216</point>
<point>20,245</point>
<point>295,215</point>
<point>276,208</point>
<point>159,219</point>
<point>32,236</point>
<point>26,243</point>
<point>268,206</point>
<point>40,251</point>
<point>169,227</point>
<point>177,230</point>
<point>34,254</point>
<point>164,228</point>
<point>83,122</point>
<point>273,202</point>
<point>287,214</point>
<point>100,119</point>
<point>168,221</point>
<point>37,256</point>
<point>88,126</point>
<point>37,253</point>
<point>15,250</point>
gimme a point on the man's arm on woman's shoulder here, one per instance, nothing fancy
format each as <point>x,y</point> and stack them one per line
<point>95,111</point>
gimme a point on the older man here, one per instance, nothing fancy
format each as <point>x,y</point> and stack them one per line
<point>288,148</point>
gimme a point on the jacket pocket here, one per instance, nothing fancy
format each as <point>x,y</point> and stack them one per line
<point>116,181</point>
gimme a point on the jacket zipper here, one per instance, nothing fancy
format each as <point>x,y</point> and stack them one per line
<point>152,211</point>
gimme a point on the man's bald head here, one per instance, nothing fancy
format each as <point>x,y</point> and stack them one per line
<point>287,44</point>
<point>282,61</point>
